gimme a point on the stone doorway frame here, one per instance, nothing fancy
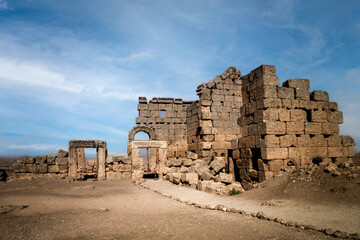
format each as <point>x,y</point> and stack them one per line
<point>138,164</point>
<point>77,157</point>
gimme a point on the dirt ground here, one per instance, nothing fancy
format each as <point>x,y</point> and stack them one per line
<point>57,209</point>
<point>306,196</point>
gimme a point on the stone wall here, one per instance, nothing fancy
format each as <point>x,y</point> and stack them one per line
<point>193,126</point>
<point>167,116</point>
<point>53,165</point>
<point>118,167</point>
<point>256,126</point>
<point>218,110</point>
<point>284,126</point>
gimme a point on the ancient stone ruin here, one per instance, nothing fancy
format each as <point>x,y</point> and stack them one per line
<point>242,129</point>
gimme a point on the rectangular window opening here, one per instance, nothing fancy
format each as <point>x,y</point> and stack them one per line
<point>163,114</point>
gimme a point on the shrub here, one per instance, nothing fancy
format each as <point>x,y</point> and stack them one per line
<point>233,192</point>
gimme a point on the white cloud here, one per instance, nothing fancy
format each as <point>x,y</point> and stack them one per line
<point>36,75</point>
<point>134,57</point>
<point>36,147</point>
<point>308,52</point>
<point>3,4</point>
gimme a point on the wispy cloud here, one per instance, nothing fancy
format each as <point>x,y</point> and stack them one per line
<point>3,4</point>
<point>35,147</point>
<point>36,75</point>
<point>353,76</point>
<point>133,58</point>
<point>307,47</point>
<point>79,74</point>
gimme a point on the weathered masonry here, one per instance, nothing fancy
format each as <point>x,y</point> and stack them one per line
<point>249,122</point>
<point>77,157</point>
<point>243,128</point>
<point>164,119</point>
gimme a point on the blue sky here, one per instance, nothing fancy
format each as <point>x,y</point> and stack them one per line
<point>75,69</point>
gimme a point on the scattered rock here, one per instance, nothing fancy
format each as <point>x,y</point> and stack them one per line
<point>219,207</point>
<point>103,209</point>
<point>191,178</point>
<point>328,231</point>
<point>214,187</point>
<point>335,173</point>
<point>339,234</point>
<point>237,186</point>
<point>261,215</point>
<point>268,204</point>
<point>217,164</point>
<point>332,169</point>
<point>204,173</point>
<point>225,178</point>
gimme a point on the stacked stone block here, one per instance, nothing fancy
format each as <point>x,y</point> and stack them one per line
<point>118,167</point>
<point>167,116</point>
<point>285,125</point>
<point>42,165</point>
<point>193,127</point>
<point>256,125</point>
<point>218,109</point>
<point>196,173</point>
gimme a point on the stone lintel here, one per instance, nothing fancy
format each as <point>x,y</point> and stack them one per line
<point>148,144</point>
<point>87,144</point>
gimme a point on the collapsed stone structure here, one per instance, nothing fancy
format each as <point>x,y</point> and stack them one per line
<point>243,128</point>
<point>247,126</point>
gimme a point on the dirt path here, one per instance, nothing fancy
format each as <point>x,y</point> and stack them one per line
<point>56,209</point>
<point>341,217</point>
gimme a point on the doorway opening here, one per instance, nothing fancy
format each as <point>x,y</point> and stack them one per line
<point>150,160</point>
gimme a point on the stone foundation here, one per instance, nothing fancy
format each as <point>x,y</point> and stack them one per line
<point>53,165</point>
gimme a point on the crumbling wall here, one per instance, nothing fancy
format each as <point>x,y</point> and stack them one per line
<point>52,165</point>
<point>193,127</point>
<point>284,126</point>
<point>248,128</point>
<point>167,116</point>
<point>217,112</point>
<point>198,174</point>
<point>118,167</point>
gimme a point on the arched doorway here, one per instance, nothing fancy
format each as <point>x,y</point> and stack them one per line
<point>145,129</point>
<point>148,155</point>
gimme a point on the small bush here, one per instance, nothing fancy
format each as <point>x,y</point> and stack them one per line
<point>233,192</point>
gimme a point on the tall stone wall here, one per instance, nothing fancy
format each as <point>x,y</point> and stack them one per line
<point>167,116</point>
<point>251,124</point>
<point>285,125</point>
<point>193,127</point>
<point>218,110</point>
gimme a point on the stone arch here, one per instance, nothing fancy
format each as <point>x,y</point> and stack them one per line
<point>148,130</point>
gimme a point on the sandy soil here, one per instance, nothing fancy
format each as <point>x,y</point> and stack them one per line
<point>57,209</point>
<point>308,197</point>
